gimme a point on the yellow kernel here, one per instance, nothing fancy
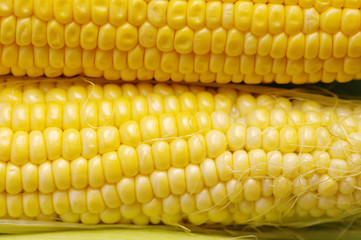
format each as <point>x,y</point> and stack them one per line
<point>330,20</point>
<point>259,21</point>
<point>176,178</point>
<point>152,208</point>
<point>258,117</point>
<point>183,40</point>
<point>14,205</point>
<point>126,37</point>
<point>95,172</point>
<point>203,200</point>
<point>307,201</point>
<point>46,180</point>
<point>3,176</point>
<point>6,8</point>
<point>257,159</point>
<point>213,14</point>
<point>290,165</point>
<point>220,121</point>
<point>250,44</point>
<point>143,189</point>
<point>186,123</point>
<point>243,18</point>
<point>130,133</point>
<point>89,142</point>
<point>194,181</point>
<point>9,55</point>
<point>61,173</point>
<point>234,43</point>
<point>55,33</point>
<point>72,35</point>
<point>31,204</point>
<point>288,139</point>
<point>295,47</point>
<point>71,145</point>
<point>126,190</point>
<point>219,194</point>
<point>176,14</point>
<point>61,202</point>
<point>264,47</point>
<point>276,16</point>
<point>327,186</point>
<point>344,201</point>
<point>110,196</point>
<point>179,153</point>
<point>118,12</point>
<point>279,46</point>
<point>241,165</point>
<point>46,204</point>
<point>282,187</point>
<point>294,19</point>
<point>227,15</point>
<point>216,143</point>
<point>171,205</point>
<point>236,136</point>
<point>145,156</point>
<point>168,125</point>
<point>20,117</point>
<point>77,199</point>
<point>137,10</point>
<point>252,189</point>
<point>79,173</point>
<point>5,115</point>
<point>95,202</point>
<point>350,21</point>
<point>253,138</point>
<point>209,172</point>
<point>160,184</point>
<point>29,174</point>
<point>147,35</point>
<point>196,13</point>
<point>352,49</point>
<point>347,185</point>
<point>325,50</point>
<point>161,155</point>
<point>130,211</point>
<point>270,139</point>
<point>71,115</point>
<point>155,104</point>
<point>128,160</point>
<point>337,168</point>
<point>108,139</point>
<point>37,116</point>
<point>112,167</point>
<point>23,31</point>
<point>157,12</point>
<point>219,38</point>
<point>19,152</point>
<point>187,203</point>
<point>224,164</point>
<point>197,149</point>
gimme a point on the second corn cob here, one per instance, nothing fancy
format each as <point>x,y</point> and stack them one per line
<point>174,154</point>
<point>197,40</point>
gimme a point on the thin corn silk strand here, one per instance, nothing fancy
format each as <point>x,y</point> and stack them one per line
<point>301,168</point>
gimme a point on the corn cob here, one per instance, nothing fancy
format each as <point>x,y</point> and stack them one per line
<point>174,154</point>
<point>256,41</point>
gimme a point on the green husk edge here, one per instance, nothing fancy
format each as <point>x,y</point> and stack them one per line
<point>349,229</point>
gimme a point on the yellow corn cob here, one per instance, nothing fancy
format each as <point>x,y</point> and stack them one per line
<point>174,154</point>
<point>252,41</point>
